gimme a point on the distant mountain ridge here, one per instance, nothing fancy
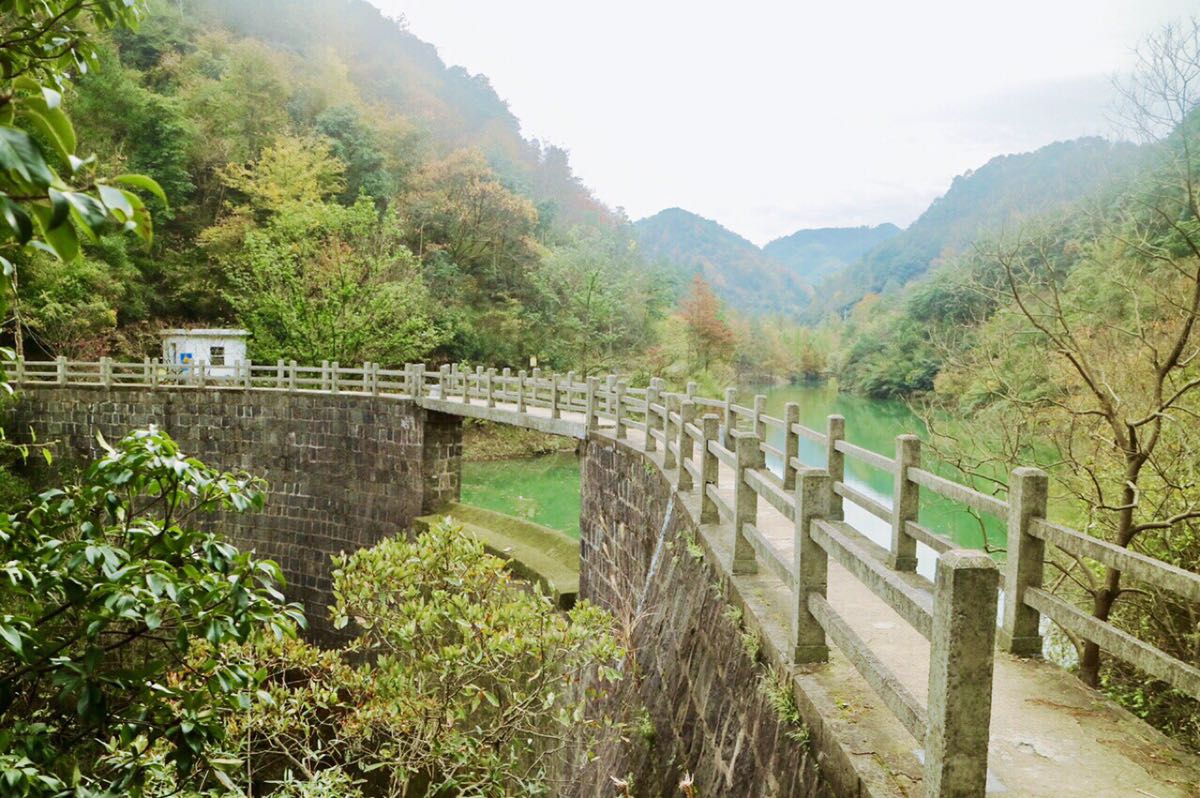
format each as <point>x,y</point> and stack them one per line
<point>841,265</point>
<point>821,251</point>
<point>775,280</point>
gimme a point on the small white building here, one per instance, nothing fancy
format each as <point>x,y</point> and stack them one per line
<point>219,349</point>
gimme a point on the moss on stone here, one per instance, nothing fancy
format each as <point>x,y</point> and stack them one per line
<point>534,552</point>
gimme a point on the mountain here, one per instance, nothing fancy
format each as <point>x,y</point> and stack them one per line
<point>391,67</point>
<point>685,244</point>
<point>817,253</point>
<point>1000,195</point>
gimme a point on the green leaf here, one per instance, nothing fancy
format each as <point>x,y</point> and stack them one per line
<point>22,158</point>
<point>53,124</point>
<point>17,218</point>
<point>143,182</point>
<point>11,637</point>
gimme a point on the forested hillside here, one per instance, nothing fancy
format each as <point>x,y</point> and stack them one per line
<point>1000,195</point>
<point>339,191</point>
<point>689,245</point>
<point>817,253</point>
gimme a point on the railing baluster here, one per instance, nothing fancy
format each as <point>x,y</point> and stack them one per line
<point>759,426</point>
<point>61,365</point>
<point>1020,632</point>
<point>333,377</point>
<point>710,469</point>
<point>745,500</point>
<point>291,375</point>
<point>621,431</point>
<point>590,422</point>
<point>835,463</point>
<point>521,391</point>
<point>906,502</point>
<point>155,367</point>
<point>730,417</point>
<point>687,414</point>
<point>670,405</point>
<point>651,443</point>
<point>961,660</point>
<point>554,409</point>
<point>791,444</point>
<point>810,566</point>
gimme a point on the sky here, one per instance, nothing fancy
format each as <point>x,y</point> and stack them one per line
<point>775,116</point>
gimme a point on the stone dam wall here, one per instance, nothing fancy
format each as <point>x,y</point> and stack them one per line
<point>343,471</point>
<point>719,712</point>
<point>347,470</point>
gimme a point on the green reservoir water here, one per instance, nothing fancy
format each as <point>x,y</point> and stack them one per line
<point>546,489</point>
<point>542,489</point>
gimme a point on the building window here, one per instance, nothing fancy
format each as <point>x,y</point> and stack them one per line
<point>217,356</point>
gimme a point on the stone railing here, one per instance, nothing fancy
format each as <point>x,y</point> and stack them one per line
<point>707,444</point>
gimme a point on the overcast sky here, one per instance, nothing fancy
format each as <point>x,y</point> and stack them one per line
<point>773,116</point>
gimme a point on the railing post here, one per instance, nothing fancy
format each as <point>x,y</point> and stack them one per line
<point>745,501</point>
<point>554,408</point>
<point>810,564</point>
<point>906,499</point>
<point>961,659</point>
<point>333,377</point>
<point>651,443</point>
<point>444,381</point>
<point>791,444</point>
<point>154,374</point>
<point>521,391</point>
<point>567,393</point>
<point>710,467</point>
<point>244,365</point>
<point>687,414</point>
<point>145,370</point>
<point>61,363</point>
<point>279,373</point>
<point>201,373</point>
<point>760,409</point>
<point>106,372</point>
<point>691,391</point>
<point>835,463</point>
<point>505,375</point>
<point>670,405</point>
<point>610,384</point>
<point>291,375</point>
<point>419,376</point>
<point>20,370</point>
<point>619,412</point>
<point>1020,632</point>
<point>491,387</point>
<point>590,420</point>
<point>537,375</point>
<point>730,417</point>
<point>324,375</point>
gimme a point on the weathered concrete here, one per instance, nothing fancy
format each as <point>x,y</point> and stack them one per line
<point>344,471</point>
<point>534,553</point>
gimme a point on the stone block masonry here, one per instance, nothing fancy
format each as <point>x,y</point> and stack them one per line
<point>344,471</point>
<point>699,674</point>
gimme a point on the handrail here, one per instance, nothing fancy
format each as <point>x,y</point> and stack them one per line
<point>867,456</point>
<point>980,502</point>
<point>697,448</point>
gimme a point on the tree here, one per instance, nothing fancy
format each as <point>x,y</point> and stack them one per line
<point>108,591</point>
<point>1089,366</point>
<point>709,335</point>
<point>458,680</point>
<point>49,196</point>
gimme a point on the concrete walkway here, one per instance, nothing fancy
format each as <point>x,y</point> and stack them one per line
<point>1051,736</point>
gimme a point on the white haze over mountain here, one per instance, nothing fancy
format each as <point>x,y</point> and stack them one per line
<point>772,116</point>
